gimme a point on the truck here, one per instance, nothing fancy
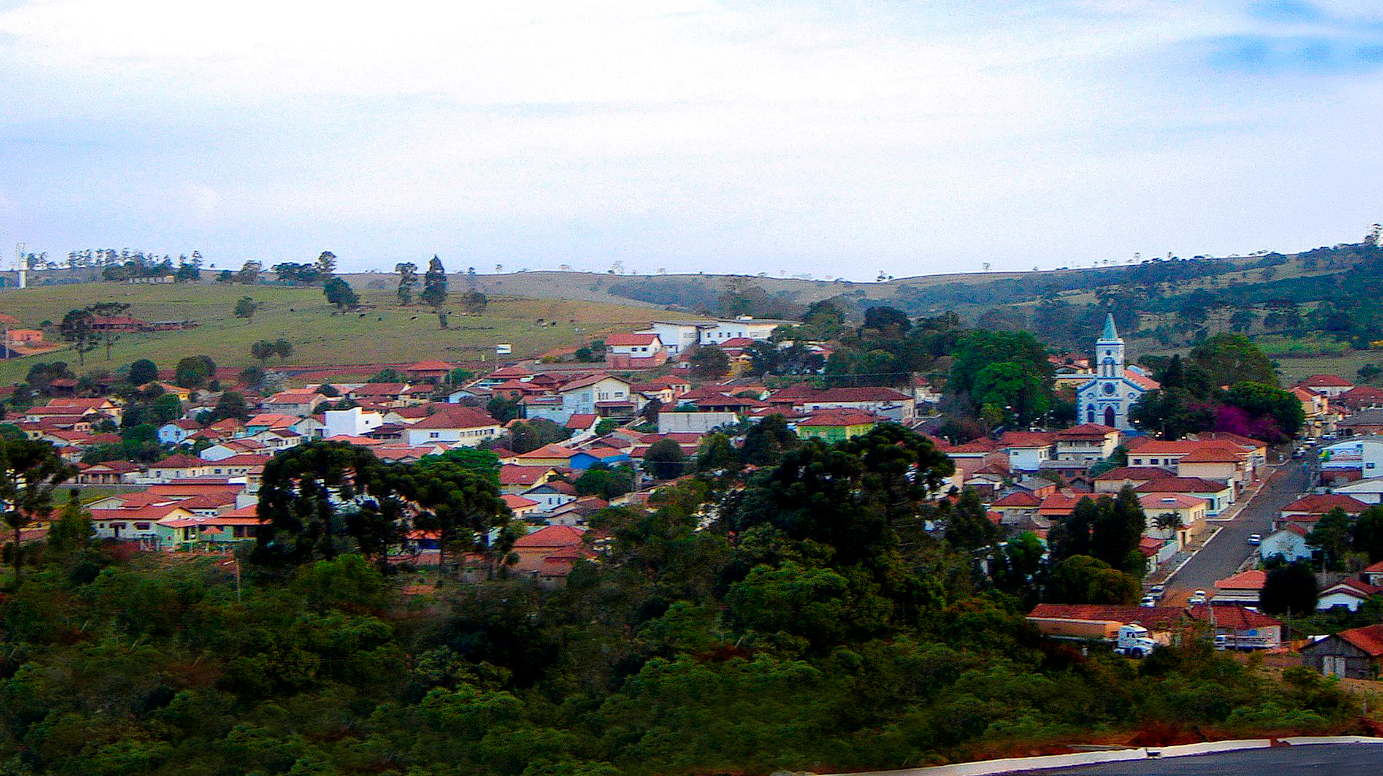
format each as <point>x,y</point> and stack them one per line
<point>1134,641</point>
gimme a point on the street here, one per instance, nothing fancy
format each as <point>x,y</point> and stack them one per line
<point>1221,556</point>
<point>1317,760</point>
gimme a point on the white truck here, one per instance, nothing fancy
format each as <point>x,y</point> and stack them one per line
<point>1134,641</point>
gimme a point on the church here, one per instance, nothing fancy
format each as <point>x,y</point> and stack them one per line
<point>1114,389</point>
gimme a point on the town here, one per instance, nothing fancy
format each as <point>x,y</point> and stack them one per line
<point>1221,511</point>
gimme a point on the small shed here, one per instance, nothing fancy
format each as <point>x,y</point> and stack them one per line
<point>1353,654</point>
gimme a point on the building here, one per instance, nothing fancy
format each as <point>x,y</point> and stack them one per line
<point>1326,385</point>
<point>1217,495</point>
<point>743,326</point>
<point>1239,627</point>
<point>1307,510</point>
<point>834,425</point>
<point>677,337</point>
<point>1364,456</point>
<point>1086,443</point>
<point>1189,512</point>
<point>1289,541</point>
<point>453,425</point>
<point>1352,654</point>
<point>1242,588</point>
<point>634,351</point>
<point>1345,594</point>
<point>1109,396</point>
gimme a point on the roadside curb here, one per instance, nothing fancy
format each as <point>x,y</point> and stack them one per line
<point>1048,762</point>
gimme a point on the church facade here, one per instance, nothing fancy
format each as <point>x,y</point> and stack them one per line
<point>1109,396</point>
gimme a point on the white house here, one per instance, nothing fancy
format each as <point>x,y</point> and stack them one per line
<point>743,326</point>
<point>602,395</point>
<point>1289,541</point>
<point>1345,594</point>
<point>677,336</point>
<point>351,422</point>
<point>551,495</point>
<point>455,426</point>
<point>1086,443</point>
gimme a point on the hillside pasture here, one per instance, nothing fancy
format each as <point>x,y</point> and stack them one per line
<point>385,333</point>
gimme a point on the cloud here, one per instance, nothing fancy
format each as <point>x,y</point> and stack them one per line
<point>693,134</point>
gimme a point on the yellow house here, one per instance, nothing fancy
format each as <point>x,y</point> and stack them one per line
<point>1189,510</point>
<point>836,425</point>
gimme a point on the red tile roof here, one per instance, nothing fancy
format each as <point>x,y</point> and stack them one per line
<point>457,417</point>
<point>1368,638</point>
<point>1085,431</point>
<point>1018,499</point>
<point>428,366</point>
<point>1167,484</point>
<point>1211,456</point>
<point>1320,503</point>
<point>837,417</point>
<point>1244,580</point>
<point>551,536</point>
<point>1145,473</point>
<point>1232,617</point>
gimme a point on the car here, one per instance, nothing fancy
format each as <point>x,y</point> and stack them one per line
<point>1148,601</point>
<point>1197,597</point>
<point>1157,591</point>
<point>1255,540</point>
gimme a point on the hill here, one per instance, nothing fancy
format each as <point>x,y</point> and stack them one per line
<point>387,333</point>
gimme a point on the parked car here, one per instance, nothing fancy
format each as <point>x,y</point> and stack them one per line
<point>1157,591</point>
<point>1255,540</point>
<point>1197,597</point>
<point>1149,601</point>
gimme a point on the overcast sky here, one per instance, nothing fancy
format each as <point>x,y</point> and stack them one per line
<point>836,138</point>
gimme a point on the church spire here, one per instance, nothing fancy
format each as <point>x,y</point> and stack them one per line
<point>1110,334</point>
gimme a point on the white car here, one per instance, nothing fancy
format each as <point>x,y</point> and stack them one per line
<point>1149,601</point>
<point>1255,540</point>
<point>1197,597</point>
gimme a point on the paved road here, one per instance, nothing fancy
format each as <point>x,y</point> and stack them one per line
<point>1222,555</point>
<point>1317,760</point>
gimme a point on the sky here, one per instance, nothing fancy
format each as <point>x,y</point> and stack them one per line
<point>837,139</point>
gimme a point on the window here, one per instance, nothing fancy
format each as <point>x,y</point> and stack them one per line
<point>141,526</point>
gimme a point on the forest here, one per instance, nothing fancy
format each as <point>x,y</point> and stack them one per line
<point>791,605</point>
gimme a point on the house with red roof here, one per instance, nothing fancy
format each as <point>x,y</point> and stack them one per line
<point>635,351</point>
<point>299,402</point>
<point>1242,588</point>
<point>1361,397</point>
<point>1307,510</point>
<point>1289,541</point>
<point>1328,385</point>
<point>1116,479</point>
<point>1217,495</point>
<point>887,403</point>
<point>453,425</point>
<point>107,473</point>
<point>1239,627</point>
<point>177,467</point>
<point>1086,443</point>
<point>433,371</point>
<point>1189,512</point>
<point>836,425</point>
<point>1348,594</point>
<point>547,555</point>
<point>1352,654</point>
<point>515,479</point>
<point>1027,450</point>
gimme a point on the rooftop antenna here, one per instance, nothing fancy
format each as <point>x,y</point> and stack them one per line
<point>21,266</point>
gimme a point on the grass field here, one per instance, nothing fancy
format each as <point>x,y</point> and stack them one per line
<point>387,334</point>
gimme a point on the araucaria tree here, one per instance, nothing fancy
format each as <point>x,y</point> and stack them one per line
<point>29,472</point>
<point>107,310</point>
<point>76,327</point>
<point>435,290</point>
<point>408,281</point>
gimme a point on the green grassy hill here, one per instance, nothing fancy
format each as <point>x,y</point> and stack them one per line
<point>388,333</point>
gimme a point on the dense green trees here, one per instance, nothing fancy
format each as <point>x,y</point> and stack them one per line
<point>30,470</point>
<point>773,638</point>
<point>1290,589</point>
